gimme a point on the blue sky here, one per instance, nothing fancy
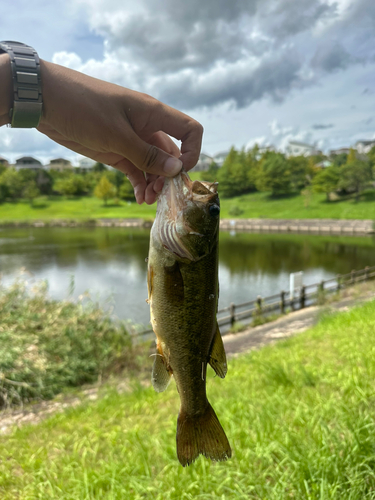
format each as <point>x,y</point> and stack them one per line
<point>265,71</point>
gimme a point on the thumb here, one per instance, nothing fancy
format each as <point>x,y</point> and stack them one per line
<point>152,159</point>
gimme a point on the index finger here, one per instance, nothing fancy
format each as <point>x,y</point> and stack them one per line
<point>183,128</point>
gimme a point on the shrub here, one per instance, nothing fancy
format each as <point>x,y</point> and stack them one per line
<point>47,345</point>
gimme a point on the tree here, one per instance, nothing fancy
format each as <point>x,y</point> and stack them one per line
<point>233,175</point>
<point>126,191</point>
<point>12,183</point>
<point>299,167</point>
<point>99,167</point>
<point>44,181</point>
<point>116,177</point>
<point>274,174</point>
<point>326,181</point>
<point>74,185</point>
<point>105,189</point>
<point>340,159</point>
<point>355,176</point>
<point>211,174</point>
<point>31,191</point>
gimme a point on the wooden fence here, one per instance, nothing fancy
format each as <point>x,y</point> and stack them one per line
<point>282,302</point>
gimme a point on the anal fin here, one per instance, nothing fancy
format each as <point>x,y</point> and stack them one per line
<point>161,375</point>
<point>218,359</point>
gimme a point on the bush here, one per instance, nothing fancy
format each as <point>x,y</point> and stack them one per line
<point>47,345</point>
<point>235,211</point>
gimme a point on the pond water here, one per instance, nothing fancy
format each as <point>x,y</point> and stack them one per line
<point>110,264</point>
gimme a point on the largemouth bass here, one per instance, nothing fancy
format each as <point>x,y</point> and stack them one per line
<point>183,293</point>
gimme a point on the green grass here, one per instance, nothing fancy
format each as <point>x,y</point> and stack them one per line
<point>74,209</point>
<point>252,205</point>
<point>299,416</point>
<point>262,205</point>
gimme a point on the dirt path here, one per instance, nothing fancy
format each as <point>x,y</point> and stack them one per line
<point>235,344</point>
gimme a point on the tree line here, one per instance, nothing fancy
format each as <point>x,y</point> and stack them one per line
<point>249,171</point>
<point>243,171</point>
<point>29,184</point>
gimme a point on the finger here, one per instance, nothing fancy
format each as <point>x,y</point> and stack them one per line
<point>162,141</point>
<point>185,129</point>
<point>136,177</point>
<point>150,158</point>
<point>174,123</point>
<point>159,183</point>
<point>150,194</point>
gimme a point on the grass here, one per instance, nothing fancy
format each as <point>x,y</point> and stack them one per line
<point>252,205</point>
<point>299,415</point>
<point>47,346</point>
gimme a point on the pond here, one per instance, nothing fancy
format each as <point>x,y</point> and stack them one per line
<point>110,263</point>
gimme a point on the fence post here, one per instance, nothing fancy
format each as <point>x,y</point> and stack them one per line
<point>232,312</point>
<point>352,277</point>
<point>367,273</point>
<point>302,297</point>
<point>338,282</point>
<point>282,302</point>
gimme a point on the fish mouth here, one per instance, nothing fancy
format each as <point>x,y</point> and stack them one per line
<point>177,194</point>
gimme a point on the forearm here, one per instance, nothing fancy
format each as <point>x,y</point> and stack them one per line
<point>6,94</point>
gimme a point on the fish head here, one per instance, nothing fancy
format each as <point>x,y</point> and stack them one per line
<point>188,216</point>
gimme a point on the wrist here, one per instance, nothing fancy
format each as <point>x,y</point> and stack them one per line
<point>6,91</point>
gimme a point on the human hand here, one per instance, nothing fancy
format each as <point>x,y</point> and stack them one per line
<point>119,127</point>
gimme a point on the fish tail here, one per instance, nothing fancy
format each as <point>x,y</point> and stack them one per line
<point>201,434</point>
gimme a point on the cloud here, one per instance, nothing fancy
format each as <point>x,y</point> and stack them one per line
<point>200,54</point>
<point>322,126</point>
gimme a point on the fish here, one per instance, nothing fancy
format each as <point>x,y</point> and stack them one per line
<point>183,290</point>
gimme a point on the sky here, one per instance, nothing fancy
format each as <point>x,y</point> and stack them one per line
<point>251,71</point>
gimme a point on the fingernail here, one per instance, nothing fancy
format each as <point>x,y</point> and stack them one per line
<point>172,166</point>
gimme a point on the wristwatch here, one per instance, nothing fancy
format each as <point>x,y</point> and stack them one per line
<point>27,89</point>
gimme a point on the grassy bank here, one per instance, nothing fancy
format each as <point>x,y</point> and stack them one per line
<point>247,206</point>
<point>299,415</point>
<point>48,346</point>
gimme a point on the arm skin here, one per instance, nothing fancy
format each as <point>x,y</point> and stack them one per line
<point>111,124</point>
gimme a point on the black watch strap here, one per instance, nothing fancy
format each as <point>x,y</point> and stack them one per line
<point>27,89</point>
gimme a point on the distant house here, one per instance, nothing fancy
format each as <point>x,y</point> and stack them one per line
<point>59,164</point>
<point>340,151</point>
<point>296,148</point>
<point>28,162</point>
<point>86,164</point>
<point>4,161</point>
<point>203,163</point>
<point>364,147</point>
<point>323,164</point>
<point>264,149</point>
<point>219,158</point>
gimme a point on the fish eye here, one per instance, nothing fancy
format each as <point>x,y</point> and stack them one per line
<point>214,210</point>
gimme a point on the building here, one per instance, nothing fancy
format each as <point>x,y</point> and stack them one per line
<point>219,158</point>
<point>296,148</point>
<point>28,162</point>
<point>204,163</point>
<point>59,165</point>
<point>364,147</point>
<point>339,151</point>
<point>85,164</point>
<point>324,164</point>
<point>4,161</point>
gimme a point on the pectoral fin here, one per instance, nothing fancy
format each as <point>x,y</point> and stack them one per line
<point>161,375</point>
<point>218,359</point>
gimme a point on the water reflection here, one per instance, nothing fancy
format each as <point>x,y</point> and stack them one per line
<point>110,262</point>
